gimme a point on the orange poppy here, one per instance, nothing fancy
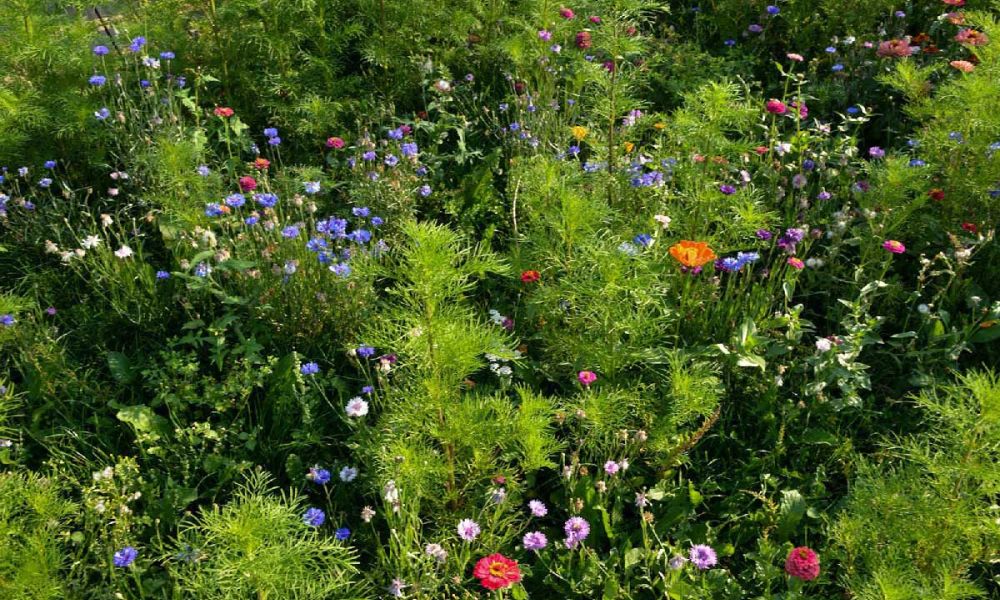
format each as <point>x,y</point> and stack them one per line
<point>692,254</point>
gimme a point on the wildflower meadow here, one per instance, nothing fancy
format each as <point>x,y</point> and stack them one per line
<point>456,299</point>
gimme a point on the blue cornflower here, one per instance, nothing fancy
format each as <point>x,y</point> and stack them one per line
<point>409,149</point>
<point>162,275</point>
<point>360,236</point>
<point>213,209</point>
<point>202,270</point>
<point>290,232</point>
<point>271,132</point>
<point>425,190</point>
<point>181,81</point>
<point>102,114</point>
<point>730,42</point>
<point>235,200</point>
<point>316,244</point>
<point>365,351</point>
<point>203,170</point>
<point>317,475</point>
<point>746,258</point>
<point>956,136</point>
<point>312,187</point>
<point>125,557</point>
<point>274,141</point>
<point>916,162</point>
<point>421,171</point>
<point>369,155</point>
<point>50,164</point>
<point>44,182</point>
<point>167,55</point>
<point>22,171</point>
<point>396,134</point>
<point>342,533</point>
<point>515,126</point>
<point>144,83</point>
<point>837,68</point>
<point>727,189</point>
<point>360,211</point>
<point>808,164</point>
<point>137,43</point>
<point>773,10</point>
<point>100,50</point>
<point>97,80</point>
<point>341,269</point>
<point>831,50</point>
<point>266,200</point>
<point>728,264</point>
<point>7,320</point>
<point>573,150</point>
<point>853,110</point>
<point>643,239</point>
<point>377,221</point>
<point>503,107</point>
<point>309,368</point>
<point>314,517</point>
<point>391,160</point>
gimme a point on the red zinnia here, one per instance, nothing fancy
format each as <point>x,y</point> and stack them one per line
<point>803,563</point>
<point>530,276</point>
<point>247,183</point>
<point>583,40</point>
<point>223,111</point>
<point>936,194</point>
<point>496,571</point>
<point>775,107</point>
<point>970,227</point>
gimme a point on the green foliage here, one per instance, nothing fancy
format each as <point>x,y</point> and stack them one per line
<point>258,546</point>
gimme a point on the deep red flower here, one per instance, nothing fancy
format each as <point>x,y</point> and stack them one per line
<point>583,40</point>
<point>936,194</point>
<point>803,563</point>
<point>247,183</point>
<point>970,227</point>
<point>496,571</point>
<point>530,276</point>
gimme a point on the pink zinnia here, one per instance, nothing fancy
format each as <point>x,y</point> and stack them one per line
<point>963,66</point>
<point>894,49</point>
<point>894,246</point>
<point>335,142</point>
<point>802,563</point>
<point>797,263</point>
<point>247,183</point>
<point>595,19</point>
<point>972,37</point>
<point>586,378</point>
<point>795,57</point>
<point>566,13</point>
<point>775,107</point>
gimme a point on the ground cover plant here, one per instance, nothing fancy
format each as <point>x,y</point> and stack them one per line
<point>610,299</point>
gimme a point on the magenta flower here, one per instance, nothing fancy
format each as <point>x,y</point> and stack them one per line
<point>586,378</point>
<point>894,246</point>
<point>611,467</point>
<point>703,556</point>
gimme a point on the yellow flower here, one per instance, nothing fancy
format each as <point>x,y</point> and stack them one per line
<point>579,132</point>
<point>660,125</point>
<point>629,146</point>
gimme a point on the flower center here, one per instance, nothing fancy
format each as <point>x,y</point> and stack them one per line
<point>498,569</point>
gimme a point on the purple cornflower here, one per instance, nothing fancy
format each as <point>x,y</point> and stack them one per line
<point>409,149</point>
<point>361,211</point>
<point>763,234</point>
<point>137,43</point>
<point>791,237</point>
<point>727,189</point>
<point>703,556</point>
<point>290,232</point>
<point>235,200</point>
<point>535,541</point>
<point>309,368</point>
<point>468,529</point>
<point>7,320</point>
<point>577,529</point>
<point>425,190</point>
<point>366,351</point>
<point>342,533</point>
<point>876,152</point>
<point>538,508</point>
<point>611,467</point>
<point>162,275</point>
<point>100,50</point>
<point>97,80</point>
<point>314,517</point>
<point>125,557</point>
